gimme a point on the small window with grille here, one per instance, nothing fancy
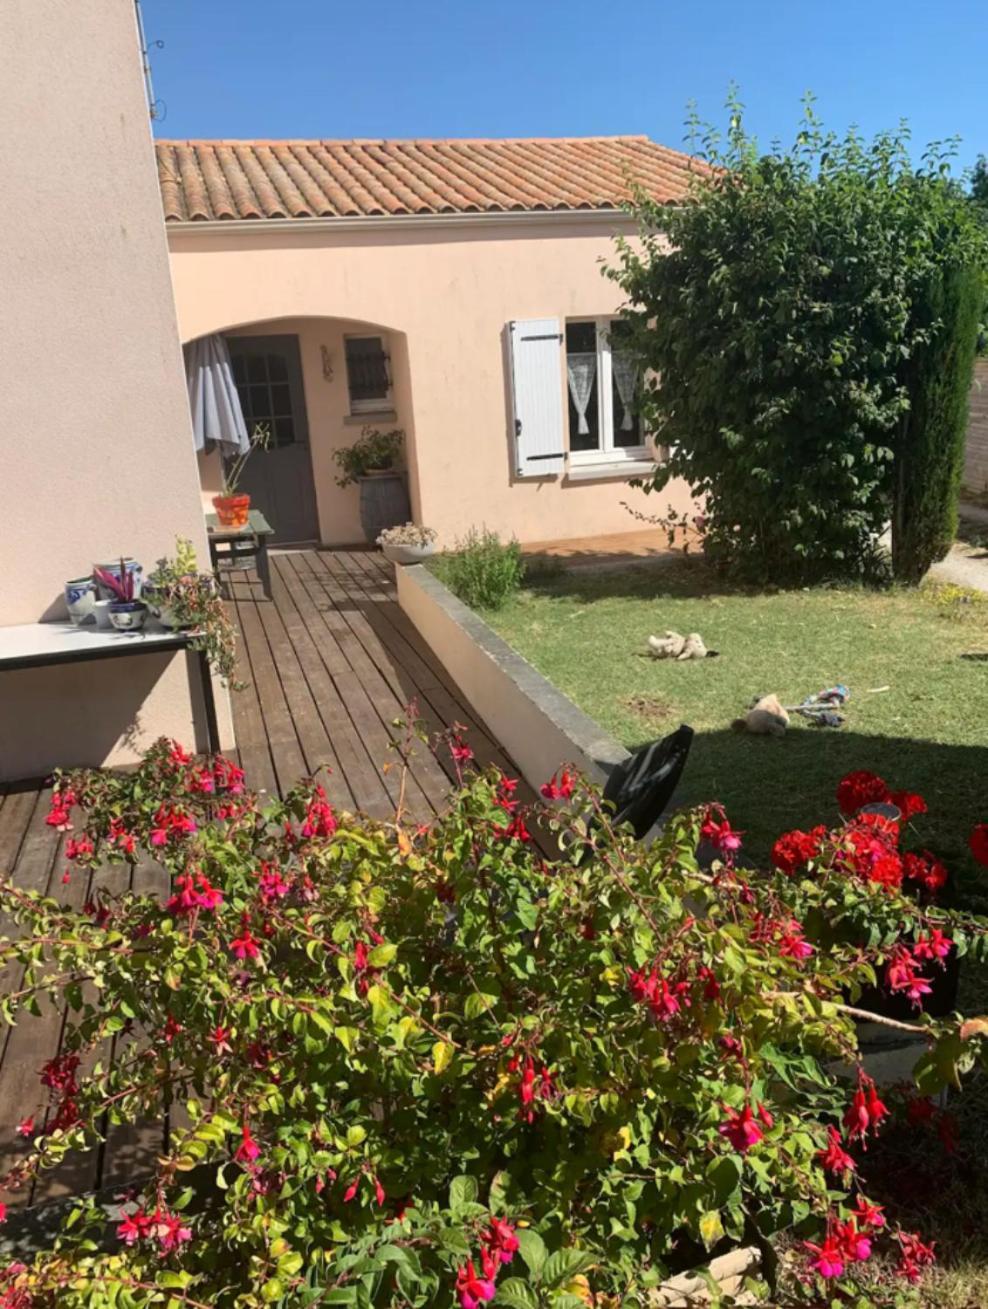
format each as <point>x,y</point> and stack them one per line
<point>368,374</point>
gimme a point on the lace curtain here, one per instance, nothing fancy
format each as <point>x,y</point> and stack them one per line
<point>626,381</point>
<point>581,370</point>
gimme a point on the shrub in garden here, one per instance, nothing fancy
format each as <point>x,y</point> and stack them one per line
<point>930,456</point>
<point>422,1065</point>
<point>777,312</point>
<point>482,570</point>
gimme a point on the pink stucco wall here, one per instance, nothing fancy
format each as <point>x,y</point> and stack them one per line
<point>96,453</point>
<point>448,291</point>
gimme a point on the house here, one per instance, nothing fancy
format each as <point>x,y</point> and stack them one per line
<point>96,444</point>
<point>976,449</point>
<point>450,289</point>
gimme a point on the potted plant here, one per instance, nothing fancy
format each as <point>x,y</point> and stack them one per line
<point>372,462</point>
<point>407,544</point>
<point>121,583</point>
<point>185,599</point>
<point>232,508</point>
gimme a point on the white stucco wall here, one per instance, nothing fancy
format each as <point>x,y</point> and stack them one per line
<point>96,456</point>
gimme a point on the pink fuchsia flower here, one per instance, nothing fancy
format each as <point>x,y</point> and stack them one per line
<point>515,830</point>
<point>855,1244</point>
<point>835,1158</point>
<point>500,1240</point>
<point>720,833</point>
<point>865,1111</point>
<point>170,1231</point>
<point>25,1127</point>
<point>3,1212</point>
<point>827,1260</point>
<point>244,946</point>
<point>194,891</point>
<point>219,1038</point>
<point>79,848</point>
<point>933,946</point>
<point>134,1227</point>
<point>351,1190</point>
<point>273,885</point>
<point>248,1151</point>
<point>171,1029</point>
<point>320,821</point>
<point>380,1195</point>
<point>792,943</point>
<point>472,1290</point>
<point>915,1256</point>
<point>461,752</point>
<point>901,975</point>
<point>868,1214</point>
<point>927,870</point>
<point>741,1129</point>
<point>560,786</point>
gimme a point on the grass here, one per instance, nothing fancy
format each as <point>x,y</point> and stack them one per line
<point>586,630</point>
<point>926,730</point>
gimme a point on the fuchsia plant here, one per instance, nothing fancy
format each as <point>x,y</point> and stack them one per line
<point>434,1064</point>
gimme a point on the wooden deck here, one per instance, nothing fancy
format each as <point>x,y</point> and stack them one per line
<point>332,665</point>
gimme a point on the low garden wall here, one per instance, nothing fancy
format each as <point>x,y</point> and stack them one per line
<point>537,725</point>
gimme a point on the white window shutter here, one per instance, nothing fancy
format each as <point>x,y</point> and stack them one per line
<point>537,394</point>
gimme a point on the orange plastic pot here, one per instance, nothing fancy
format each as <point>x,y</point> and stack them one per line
<point>232,510</point>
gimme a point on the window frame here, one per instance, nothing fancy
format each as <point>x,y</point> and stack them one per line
<point>608,453</point>
<point>375,405</point>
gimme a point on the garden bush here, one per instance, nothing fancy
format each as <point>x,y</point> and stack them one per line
<point>775,314</point>
<point>422,1065</point>
<point>929,460</point>
<point>482,570</point>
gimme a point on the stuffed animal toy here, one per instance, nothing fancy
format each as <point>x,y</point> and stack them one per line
<point>766,717</point>
<point>670,645</point>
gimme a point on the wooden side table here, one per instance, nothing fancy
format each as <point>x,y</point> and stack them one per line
<point>240,548</point>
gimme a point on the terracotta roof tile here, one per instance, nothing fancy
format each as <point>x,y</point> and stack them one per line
<point>231,180</point>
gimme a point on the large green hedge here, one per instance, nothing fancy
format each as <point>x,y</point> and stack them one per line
<point>775,314</point>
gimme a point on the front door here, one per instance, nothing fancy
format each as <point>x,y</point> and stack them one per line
<point>268,374</point>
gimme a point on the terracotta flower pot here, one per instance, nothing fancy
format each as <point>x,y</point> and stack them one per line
<point>232,510</point>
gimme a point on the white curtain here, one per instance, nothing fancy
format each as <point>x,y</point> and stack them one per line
<point>213,399</point>
<point>626,380</point>
<point>581,370</point>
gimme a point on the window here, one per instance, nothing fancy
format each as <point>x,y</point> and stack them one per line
<point>368,376</point>
<point>268,378</point>
<point>602,382</point>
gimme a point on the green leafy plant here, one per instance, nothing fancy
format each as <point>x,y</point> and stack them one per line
<point>188,599</point>
<point>422,1064</point>
<point>482,570</point>
<point>775,314</point>
<point>929,460</point>
<point>260,439</point>
<point>373,452</point>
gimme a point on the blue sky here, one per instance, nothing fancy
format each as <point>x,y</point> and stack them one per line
<point>343,68</point>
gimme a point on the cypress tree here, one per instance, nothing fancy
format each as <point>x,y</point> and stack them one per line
<point>930,453</point>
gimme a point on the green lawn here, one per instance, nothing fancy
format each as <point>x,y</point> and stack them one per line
<point>586,631</point>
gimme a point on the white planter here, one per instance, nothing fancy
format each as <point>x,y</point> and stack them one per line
<point>408,554</point>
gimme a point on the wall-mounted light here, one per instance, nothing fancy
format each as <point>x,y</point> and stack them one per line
<point>327,363</point>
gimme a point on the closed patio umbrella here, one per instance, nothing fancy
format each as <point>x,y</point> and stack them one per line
<point>216,413</point>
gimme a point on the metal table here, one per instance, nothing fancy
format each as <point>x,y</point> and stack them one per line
<point>242,547</point>
<point>42,645</point>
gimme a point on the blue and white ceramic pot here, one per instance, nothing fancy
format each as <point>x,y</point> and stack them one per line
<point>128,615</point>
<point>113,567</point>
<point>80,597</point>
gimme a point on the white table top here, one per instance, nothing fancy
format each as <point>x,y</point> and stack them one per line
<point>28,643</point>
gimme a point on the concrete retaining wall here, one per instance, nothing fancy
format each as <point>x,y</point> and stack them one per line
<point>538,726</point>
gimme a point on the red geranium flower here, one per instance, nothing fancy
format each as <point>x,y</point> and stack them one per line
<point>860,788</point>
<point>978,843</point>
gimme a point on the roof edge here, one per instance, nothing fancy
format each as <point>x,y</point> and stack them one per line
<point>392,222</point>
